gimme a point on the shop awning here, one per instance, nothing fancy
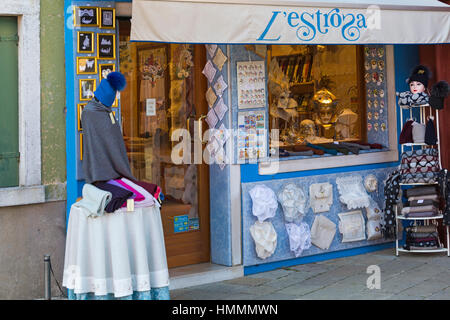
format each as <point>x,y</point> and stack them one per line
<point>291,21</point>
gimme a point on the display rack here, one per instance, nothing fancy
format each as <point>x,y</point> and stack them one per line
<point>422,117</point>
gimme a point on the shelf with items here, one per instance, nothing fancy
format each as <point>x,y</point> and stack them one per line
<point>410,167</point>
<point>402,217</point>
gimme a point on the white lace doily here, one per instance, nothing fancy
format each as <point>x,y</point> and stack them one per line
<point>352,192</point>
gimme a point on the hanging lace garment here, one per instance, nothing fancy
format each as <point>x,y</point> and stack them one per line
<point>293,201</point>
<point>352,192</point>
<point>265,237</point>
<point>299,237</point>
<point>391,198</point>
<point>264,202</point>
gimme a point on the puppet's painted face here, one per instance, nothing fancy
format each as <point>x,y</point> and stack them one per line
<point>416,87</point>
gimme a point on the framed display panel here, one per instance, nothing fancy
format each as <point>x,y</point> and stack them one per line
<point>85,42</point>
<point>81,146</point>
<point>106,46</point>
<point>104,69</point>
<point>107,18</point>
<point>86,65</point>
<point>85,16</point>
<point>80,108</point>
<point>87,88</point>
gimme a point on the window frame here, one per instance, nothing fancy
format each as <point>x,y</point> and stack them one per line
<point>282,165</point>
<point>30,189</point>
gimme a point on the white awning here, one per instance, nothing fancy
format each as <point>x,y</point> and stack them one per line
<point>291,21</point>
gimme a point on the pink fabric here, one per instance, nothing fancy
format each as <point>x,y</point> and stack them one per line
<point>149,200</point>
<point>139,196</point>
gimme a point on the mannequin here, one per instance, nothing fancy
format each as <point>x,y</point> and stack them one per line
<point>418,83</point>
<point>104,153</point>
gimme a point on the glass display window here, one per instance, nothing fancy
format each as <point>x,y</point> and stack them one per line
<point>316,94</point>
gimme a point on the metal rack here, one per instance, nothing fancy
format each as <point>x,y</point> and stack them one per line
<point>423,114</point>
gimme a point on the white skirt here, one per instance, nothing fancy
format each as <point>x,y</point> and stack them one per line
<point>116,253</point>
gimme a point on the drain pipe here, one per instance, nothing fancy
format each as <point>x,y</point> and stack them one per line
<point>47,286</point>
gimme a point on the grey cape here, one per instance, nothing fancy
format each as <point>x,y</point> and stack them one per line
<point>104,153</point>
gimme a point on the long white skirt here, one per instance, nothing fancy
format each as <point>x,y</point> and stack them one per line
<point>118,253</point>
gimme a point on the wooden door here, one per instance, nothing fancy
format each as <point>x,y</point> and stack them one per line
<point>166,92</point>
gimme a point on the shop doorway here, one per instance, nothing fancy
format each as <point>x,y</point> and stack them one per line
<point>166,92</point>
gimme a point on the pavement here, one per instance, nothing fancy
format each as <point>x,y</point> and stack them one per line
<point>410,276</point>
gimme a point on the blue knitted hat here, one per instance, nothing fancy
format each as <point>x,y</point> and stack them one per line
<point>106,91</point>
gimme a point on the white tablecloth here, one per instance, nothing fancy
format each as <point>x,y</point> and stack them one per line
<point>116,253</point>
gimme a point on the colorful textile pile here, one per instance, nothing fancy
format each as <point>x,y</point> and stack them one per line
<point>421,238</point>
<point>119,191</point>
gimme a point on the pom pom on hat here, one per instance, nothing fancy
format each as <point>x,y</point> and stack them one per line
<point>106,91</point>
<point>421,74</point>
<point>438,93</point>
<point>117,80</point>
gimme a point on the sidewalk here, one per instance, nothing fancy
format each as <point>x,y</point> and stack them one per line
<point>407,277</point>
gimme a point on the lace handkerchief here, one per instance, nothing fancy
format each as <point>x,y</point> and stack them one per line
<point>352,192</point>
<point>211,48</point>
<point>352,226</point>
<point>322,232</point>
<point>220,59</point>
<point>220,86</point>
<point>210,97</point>
<point>209,71</point>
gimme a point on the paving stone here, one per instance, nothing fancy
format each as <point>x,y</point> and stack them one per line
<point>273,274</point>
<point>426,288</point>
<point>300,289</point>
<point>276,296</point>
<point>247,281</point>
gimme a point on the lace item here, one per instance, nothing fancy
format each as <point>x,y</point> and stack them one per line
<point>265,237</point>
<point>293,201</point>
<point>352,192</point>
<point>352,226</point>
<point>264,202</point>
<point>299,237</point>
<point>321,196</point>
<point>322,232</point>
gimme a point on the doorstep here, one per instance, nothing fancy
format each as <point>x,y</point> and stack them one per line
<point>202,273</point>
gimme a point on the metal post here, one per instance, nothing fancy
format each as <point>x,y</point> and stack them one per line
<point>47,286</point>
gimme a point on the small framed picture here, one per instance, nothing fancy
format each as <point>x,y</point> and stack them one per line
<point>85,42</point>
<point>86,65</point>
<point>81,146</point>
<point>80,108</point>
<point>106,46</point>
<point>87,88</point>
<point>107,18</point>
<point>85,16</point>
<point>104,69</point>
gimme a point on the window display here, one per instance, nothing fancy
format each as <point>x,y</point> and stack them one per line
<point>316,94</point>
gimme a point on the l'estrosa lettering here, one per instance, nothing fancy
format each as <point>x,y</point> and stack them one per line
<point>308,24</point>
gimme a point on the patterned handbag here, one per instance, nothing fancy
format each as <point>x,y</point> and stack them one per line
<point>419,166</point>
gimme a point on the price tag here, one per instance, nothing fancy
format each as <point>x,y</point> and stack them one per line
<point>419,201</point>
<point>111,115</point>
<point>130,204</point>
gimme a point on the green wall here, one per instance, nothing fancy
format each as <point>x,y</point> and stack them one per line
<point>53,99</point>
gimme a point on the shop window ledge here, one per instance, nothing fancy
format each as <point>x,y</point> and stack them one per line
<point>304,163</point>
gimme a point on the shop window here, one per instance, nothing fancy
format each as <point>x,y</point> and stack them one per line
<point>316,95</point>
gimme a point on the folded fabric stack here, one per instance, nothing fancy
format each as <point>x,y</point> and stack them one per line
<point>109,196</point>
<point>344,147</point>
<point>421,237</point>
<point>423,201</point>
